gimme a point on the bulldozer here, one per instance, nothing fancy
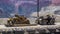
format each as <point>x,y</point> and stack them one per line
<point>17,20</point>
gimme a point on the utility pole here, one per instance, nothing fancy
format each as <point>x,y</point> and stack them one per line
<point>37,8</point>
<point>38,11</point>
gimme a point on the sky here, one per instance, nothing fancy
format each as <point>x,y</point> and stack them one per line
<point>25,7</point>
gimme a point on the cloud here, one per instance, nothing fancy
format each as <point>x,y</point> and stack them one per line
<point>46,10</point>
